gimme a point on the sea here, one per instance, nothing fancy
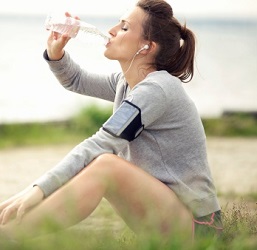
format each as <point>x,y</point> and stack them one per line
<point>225,68</point>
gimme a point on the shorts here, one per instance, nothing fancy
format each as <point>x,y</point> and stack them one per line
<point>208,226</point>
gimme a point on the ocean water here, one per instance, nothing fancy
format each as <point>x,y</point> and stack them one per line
<point>226,63</point>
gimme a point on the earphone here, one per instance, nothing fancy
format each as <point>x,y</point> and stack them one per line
<point>137,53</point>
<point>145,47</point>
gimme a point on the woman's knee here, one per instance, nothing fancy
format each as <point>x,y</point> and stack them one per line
<point>105,167</point>
<point>106,159</point>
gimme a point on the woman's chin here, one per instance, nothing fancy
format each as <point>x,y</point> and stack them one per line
<point>108,56</point>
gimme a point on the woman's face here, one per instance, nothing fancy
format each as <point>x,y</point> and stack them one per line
<point>126,36</point>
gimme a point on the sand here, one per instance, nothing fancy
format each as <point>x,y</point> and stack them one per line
<point>233,163</point>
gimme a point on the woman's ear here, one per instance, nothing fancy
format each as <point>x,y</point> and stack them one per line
<point>153,47</point>
<point>149,47</point>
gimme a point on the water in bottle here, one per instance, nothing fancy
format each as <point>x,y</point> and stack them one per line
<point>75,28</point>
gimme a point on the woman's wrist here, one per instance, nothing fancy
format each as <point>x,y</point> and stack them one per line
<point>38,192</point>
<point>55,57</point>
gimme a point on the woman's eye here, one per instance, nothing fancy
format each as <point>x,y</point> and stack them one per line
<point>124,28</point>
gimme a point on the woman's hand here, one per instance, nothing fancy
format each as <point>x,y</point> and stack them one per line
<point>17,206</point>
<point>56,43</point>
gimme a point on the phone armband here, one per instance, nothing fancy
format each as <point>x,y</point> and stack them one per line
<point>125,122</point>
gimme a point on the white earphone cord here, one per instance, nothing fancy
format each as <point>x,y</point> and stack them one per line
<point>130,64</point>
<point>145,47</point>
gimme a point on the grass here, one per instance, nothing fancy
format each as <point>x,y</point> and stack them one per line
<point>240,231</point>
<point>233,124</point>
<point>81,126</point>
<point>90,119</point>
<point>239,215</point>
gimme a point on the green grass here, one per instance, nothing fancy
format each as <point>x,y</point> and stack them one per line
<point>90,119</point>
<point>240,233</point>
<point>237,124</point>
<point>240,217</point>
<point>81,126</point>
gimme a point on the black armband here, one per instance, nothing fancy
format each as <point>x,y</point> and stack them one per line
<point>125,122</point>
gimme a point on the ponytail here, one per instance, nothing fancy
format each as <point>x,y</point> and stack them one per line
<point>184,58</point>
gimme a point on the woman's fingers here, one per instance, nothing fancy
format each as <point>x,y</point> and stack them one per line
<point>67,14</point>
<point>7,213</point>
<point>12,211</point>
<point>17,208</point>
<point>20,213</point>
<point>6,203</point>
<point>2,207</point>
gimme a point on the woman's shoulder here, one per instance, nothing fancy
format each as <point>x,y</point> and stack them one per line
<point>162,76</point>
<point>164,80</point>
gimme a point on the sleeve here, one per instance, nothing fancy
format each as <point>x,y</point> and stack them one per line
<point>78,158</point>
<point>151,99</point>
<point>142,108</point>
<point>72,77</point>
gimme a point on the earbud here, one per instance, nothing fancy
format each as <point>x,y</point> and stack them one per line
<point>145,47</point>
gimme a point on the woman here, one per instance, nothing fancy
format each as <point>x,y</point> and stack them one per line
<point>149,159</point>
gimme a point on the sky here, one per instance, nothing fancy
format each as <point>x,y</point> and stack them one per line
<point>185,8</point>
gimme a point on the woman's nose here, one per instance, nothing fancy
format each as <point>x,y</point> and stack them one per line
<point>113,31</point>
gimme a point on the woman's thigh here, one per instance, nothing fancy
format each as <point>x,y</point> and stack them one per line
<point>144,202</point>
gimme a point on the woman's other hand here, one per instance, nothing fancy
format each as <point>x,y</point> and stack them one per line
<point>16,207</point>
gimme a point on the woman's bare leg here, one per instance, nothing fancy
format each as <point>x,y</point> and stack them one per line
<point>141,200</point>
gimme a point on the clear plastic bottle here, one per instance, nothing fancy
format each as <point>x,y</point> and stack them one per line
<point>75,28</point>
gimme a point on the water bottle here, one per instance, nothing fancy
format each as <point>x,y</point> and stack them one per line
<point>75,28</point>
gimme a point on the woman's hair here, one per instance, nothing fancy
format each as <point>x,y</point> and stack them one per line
<point>176,42</point>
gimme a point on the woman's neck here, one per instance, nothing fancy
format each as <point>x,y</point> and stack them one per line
<point>136,74</point>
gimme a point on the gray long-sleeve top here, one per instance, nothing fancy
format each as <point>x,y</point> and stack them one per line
<point>172,146</point>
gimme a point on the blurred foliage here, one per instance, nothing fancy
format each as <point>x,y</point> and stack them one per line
<point>110,232</point>
<point>81,126</point>
<point>232,124</point>
<point>240,220</point>
<point>91,118</point>
<point>240,225</point>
